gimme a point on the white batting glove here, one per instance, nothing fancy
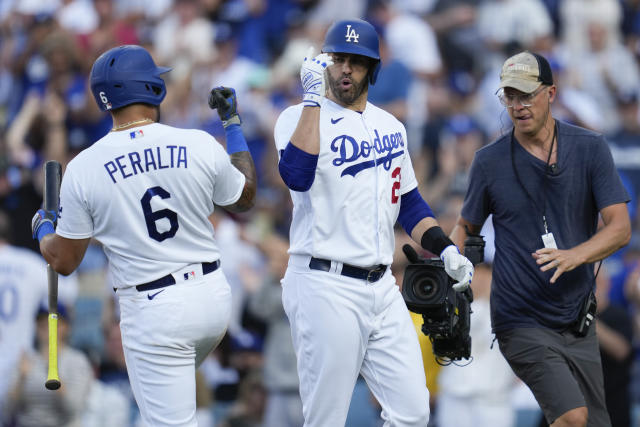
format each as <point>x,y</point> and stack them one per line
<point>458,267</point>
<point>313,78</point>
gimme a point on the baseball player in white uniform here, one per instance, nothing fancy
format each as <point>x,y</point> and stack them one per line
<point>23,290</point>
<point>347,165</point>
<point>145,191</point>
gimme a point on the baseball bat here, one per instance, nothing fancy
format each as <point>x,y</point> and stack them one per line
<point>52,178</point>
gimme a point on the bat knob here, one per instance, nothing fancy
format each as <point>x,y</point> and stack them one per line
<point>52,384</point>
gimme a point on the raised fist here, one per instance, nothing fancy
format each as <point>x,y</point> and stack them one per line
<point>312,76</point>
<point>224,100</point>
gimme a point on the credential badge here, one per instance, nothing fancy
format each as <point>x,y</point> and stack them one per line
<point>351,34</point>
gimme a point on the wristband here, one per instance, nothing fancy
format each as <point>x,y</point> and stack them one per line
<point>44,229</point>
<point>235,139</point>
<point>233,120</point>
<point>435,241</point>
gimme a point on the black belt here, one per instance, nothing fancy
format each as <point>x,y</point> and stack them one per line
<point>368,274</point>
<point>168,280</point>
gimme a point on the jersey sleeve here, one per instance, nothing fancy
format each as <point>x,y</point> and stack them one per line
<point>285,126</point>
<point>74,220</point>
<point>229,181</point>
<point>408,181</point>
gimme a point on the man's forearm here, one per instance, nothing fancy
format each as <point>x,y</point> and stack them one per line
<point>307,134</point>
<point>49,251</point>
<point>63,255</point>
<point>615,234</point>
<point>421,227</point>
<point>244,163</point>
<point>605,242</point>
<point>458,235</point>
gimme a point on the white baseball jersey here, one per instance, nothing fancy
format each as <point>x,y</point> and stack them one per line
<point>145,194</point>
<point>363,169</point>
<point>23,289</point>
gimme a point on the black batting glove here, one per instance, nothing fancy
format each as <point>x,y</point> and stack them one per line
<point>224,100</point>
<point>43,223</point>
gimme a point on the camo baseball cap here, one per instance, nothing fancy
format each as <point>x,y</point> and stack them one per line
<point>525,72</point>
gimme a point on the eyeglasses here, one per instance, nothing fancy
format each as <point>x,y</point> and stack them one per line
<point>510,100</point>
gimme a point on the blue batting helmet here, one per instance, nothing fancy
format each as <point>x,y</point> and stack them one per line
<point>126,75</point>
<point>354,36</point>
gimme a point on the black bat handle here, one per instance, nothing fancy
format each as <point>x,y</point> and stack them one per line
<point>52,178</point>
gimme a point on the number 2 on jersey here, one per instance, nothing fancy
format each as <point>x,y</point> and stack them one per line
<point>396,185</point>
<point>151,217</point>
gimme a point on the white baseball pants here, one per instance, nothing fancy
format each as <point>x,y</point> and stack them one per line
<point>342,327</point>
<point>165,338</point>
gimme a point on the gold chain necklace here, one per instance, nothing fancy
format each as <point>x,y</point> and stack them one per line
<point>135,122</point>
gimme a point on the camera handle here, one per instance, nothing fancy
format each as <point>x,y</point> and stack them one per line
<point>411,254</point>
<point>474,247</point>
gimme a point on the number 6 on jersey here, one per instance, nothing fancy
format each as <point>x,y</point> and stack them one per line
<point>151,217</point>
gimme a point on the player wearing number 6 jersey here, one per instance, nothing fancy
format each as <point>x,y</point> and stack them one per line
<point>347,164</point>
<point>145,191</point>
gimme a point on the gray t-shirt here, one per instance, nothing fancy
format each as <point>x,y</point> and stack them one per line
<point>583,182</point>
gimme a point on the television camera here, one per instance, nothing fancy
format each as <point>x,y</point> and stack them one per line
<point>427,290</point>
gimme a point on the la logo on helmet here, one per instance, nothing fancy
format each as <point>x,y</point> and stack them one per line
<point>351,34</point>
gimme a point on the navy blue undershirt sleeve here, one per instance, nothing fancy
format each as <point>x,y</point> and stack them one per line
<point>412,209</point>
<point>297,168</point>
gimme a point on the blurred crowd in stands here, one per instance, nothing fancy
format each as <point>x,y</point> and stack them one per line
<point>440,71</point>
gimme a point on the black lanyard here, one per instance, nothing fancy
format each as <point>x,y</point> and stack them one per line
<point>545,180</point>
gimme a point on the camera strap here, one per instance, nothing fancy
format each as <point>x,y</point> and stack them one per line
<point>547,237</point>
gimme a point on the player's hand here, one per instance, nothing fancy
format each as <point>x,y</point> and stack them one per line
<point>312,76</point>
<point>458,267</point>
<point>224,100</point>
<point>43,223</point>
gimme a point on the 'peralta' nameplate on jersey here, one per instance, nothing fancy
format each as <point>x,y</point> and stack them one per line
<point>145,160</point>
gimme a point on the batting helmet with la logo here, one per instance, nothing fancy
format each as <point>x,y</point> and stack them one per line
<point>357,37</point>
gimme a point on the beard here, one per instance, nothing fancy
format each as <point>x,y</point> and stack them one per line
<point>347,96</point>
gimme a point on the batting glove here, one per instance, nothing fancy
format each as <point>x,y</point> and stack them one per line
<point>312,76</point>
<point>224,100</point>
<point>43,223</point>
<point>458,267</point>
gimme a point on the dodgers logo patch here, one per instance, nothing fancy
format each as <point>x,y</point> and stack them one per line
<point>350,151</point>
